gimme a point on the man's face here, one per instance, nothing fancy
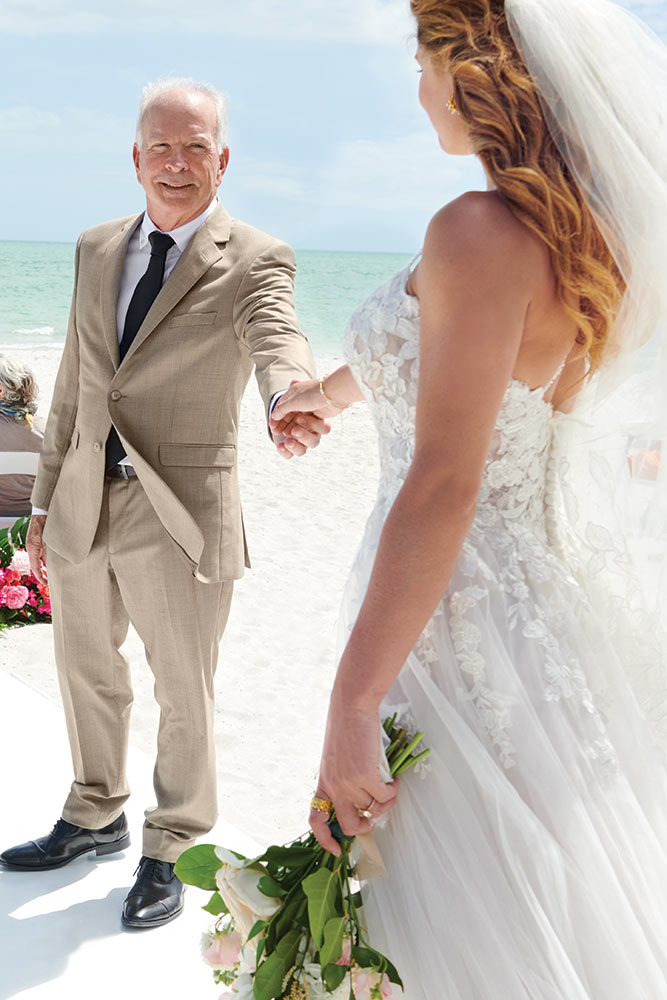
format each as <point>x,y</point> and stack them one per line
<point>178,164</point>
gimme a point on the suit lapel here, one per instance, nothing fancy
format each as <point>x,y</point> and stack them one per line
<point>202,251</point>
<point>112,270</point>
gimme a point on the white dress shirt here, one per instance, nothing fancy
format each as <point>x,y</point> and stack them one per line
<point>139,254</point>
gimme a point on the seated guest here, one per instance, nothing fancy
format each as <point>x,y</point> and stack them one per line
<point>20,431</point>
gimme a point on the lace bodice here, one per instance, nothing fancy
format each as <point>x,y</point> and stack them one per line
<point>382,349</point>
<point>509,554</point>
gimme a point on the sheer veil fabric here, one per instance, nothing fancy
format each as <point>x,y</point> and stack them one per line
<point>602,79</point>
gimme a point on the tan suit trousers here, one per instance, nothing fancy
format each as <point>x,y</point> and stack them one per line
<point>135,572</point>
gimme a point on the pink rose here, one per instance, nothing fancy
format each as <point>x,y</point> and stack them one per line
<point>221,951</point>
<point>20,563</point>
<point>367,985</point>
<point>346,954</point>
<point>14,597</point>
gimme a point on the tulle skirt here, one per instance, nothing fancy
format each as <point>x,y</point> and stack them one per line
<point>528,860</point>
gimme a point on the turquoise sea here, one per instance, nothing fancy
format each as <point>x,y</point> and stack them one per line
<point>36,285</point>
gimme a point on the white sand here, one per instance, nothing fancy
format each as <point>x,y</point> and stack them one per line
<point>304,520</point>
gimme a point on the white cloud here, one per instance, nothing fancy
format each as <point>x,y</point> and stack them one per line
<point>73,128</point>
<point>25,121</point>
<point>407,174</point>
<point>375,22</point>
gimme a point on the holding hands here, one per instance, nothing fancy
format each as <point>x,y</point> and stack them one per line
<point>298,419</point>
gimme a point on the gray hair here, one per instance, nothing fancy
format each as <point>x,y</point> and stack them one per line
<point>152,93</point>
<point>19,384</point>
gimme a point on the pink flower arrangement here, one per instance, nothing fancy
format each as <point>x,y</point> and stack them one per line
<point>23,600</point>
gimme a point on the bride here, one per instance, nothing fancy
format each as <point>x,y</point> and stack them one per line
<point>506,595</point>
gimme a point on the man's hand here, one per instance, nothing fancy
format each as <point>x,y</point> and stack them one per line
<point>35,547</point>
<point>297,432</point>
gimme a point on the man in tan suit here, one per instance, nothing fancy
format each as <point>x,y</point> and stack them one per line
<point>137,484</point>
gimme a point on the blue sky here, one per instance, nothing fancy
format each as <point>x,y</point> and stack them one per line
<point>329,146</point>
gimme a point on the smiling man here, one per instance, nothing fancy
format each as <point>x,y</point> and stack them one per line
<point>137,508</point>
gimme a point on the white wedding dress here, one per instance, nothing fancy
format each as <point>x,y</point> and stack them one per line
<point>529,859</point>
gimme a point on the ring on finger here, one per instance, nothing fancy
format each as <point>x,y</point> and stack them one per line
<point>366,813</point>
<point>321,805</point>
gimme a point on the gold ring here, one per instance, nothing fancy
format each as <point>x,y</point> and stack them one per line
<point>366,813</point>
<point>321,805</point>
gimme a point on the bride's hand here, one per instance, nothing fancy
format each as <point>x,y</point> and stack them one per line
<point>301,397</point>
<point>350,776</point>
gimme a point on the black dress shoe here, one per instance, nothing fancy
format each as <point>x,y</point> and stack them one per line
<point>156,897</point>
<point>64,843</point>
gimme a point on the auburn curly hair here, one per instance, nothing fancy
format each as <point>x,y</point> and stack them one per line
<point>499,103</point>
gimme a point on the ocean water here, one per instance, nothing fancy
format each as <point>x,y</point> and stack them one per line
<point>36,286</point>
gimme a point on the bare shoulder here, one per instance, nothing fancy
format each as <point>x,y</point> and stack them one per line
<point>478,233</point>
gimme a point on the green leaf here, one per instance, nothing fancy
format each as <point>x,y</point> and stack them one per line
<point>332,948</point>
<point>292,856</point>
<point>323,891</point>
<point>270,974</point>
<point>216,905</point>
<point>198,866</point>
<point>258,926</point>
<point>270,887</point>
<point>393,974</point>
<point>333,976</point>
<point>367,958</point>
<point>292,914</point>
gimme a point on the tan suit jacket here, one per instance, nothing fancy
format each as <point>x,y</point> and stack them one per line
<point>175,400</point>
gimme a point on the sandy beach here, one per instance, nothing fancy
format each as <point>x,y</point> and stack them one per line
<point>304,520</point>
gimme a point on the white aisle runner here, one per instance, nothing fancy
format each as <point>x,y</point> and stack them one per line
<point>61,937</point>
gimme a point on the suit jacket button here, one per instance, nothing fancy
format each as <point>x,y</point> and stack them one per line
<point>97,446</point>
<point>116,395</point>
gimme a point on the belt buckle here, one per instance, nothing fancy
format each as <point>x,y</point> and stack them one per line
<point>122,468</point>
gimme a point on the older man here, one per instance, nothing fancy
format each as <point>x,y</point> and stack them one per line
<point>171,310</point>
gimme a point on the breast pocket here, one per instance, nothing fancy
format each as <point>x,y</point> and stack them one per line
<point>192,318</point>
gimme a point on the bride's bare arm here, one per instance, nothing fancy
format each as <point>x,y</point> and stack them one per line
<point>474,285</point>
<point>325,397</point>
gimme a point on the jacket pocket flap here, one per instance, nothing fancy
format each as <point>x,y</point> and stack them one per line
<point>202,456</point>
<point>192,318</point>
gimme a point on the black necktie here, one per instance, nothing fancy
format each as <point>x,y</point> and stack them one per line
<point>142,299</point>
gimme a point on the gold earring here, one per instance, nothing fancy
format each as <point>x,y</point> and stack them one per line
<point>451,104</point>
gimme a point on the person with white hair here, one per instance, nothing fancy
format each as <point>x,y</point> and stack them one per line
<point>20,431</point>
<point>137,497</point>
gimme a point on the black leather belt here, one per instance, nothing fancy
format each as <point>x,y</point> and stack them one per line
<point>120,472</point>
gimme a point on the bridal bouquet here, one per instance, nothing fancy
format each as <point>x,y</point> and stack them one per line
<point>290,922</point>
<point>23,601</point>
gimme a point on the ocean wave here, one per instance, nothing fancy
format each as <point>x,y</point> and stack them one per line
<point>36,331</point>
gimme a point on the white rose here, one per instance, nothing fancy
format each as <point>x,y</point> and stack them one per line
<point>242,988</point>
<point>246,903</point>
<point>316,988</point>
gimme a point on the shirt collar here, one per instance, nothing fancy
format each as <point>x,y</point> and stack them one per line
<point>183,234</point>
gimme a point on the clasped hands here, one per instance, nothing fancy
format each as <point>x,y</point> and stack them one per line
<point>298,420</point>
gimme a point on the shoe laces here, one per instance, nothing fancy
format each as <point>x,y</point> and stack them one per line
<point>62,826</point>
<point>153,868</point>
